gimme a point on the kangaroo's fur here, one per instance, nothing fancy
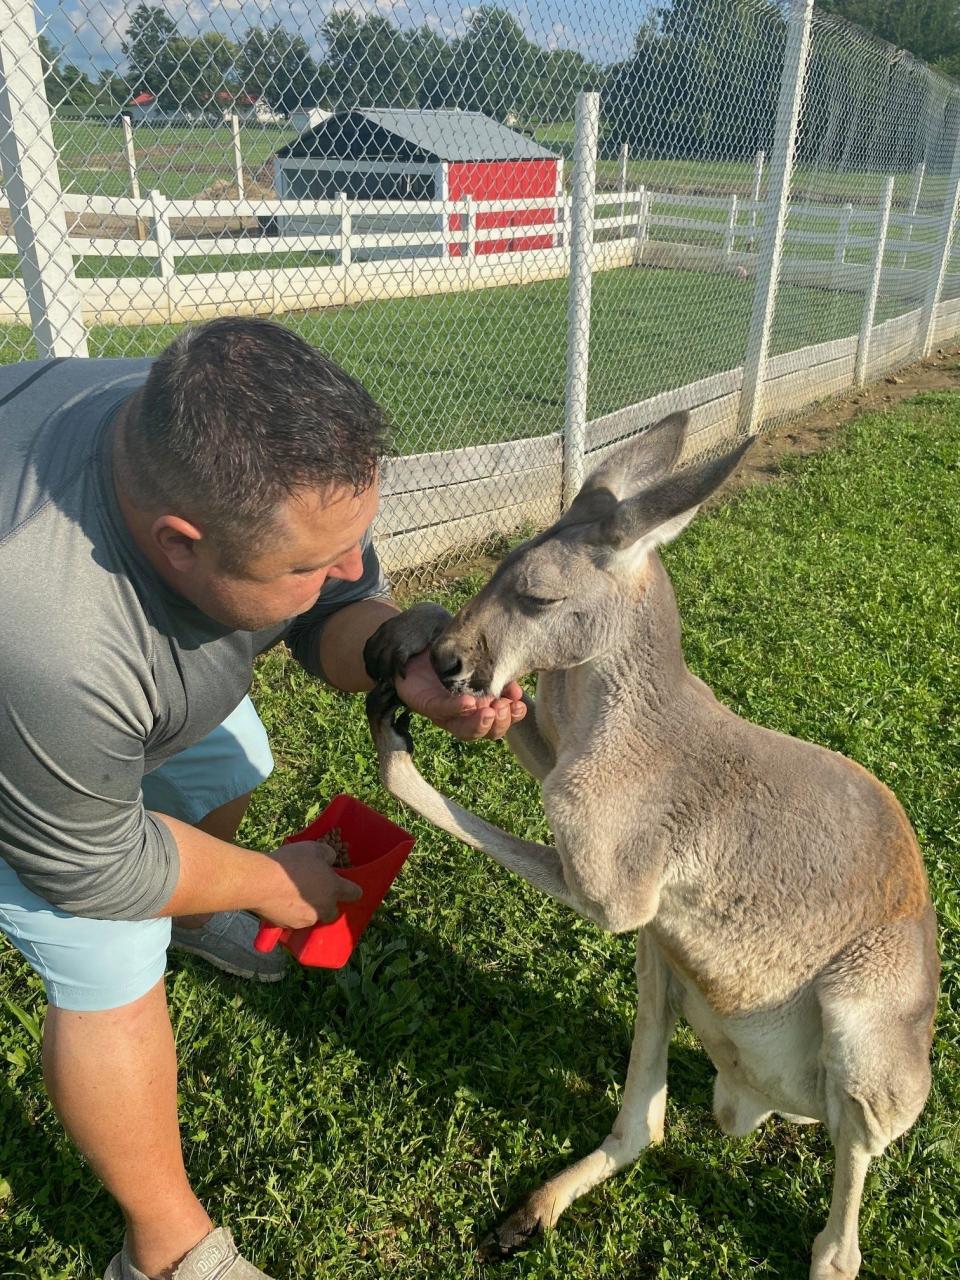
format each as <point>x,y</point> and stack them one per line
<point>777,887</point>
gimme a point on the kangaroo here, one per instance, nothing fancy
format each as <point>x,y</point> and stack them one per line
<point>777,887</point>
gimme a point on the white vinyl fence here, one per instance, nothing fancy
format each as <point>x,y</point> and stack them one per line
<point>817,257</point>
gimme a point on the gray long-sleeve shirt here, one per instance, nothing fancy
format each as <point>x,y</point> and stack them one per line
<point>105,671</point>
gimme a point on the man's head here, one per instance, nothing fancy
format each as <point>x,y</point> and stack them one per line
<point>247,468</point>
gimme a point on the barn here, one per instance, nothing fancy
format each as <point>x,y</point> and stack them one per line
<point>373,154</point>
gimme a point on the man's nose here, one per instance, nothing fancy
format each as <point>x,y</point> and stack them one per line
<point>350,568</point>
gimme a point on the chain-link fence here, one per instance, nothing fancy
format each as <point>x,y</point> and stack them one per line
<point>529,230</point>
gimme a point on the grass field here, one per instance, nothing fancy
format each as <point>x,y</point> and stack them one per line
<point>371,1123</point>
<point>186,161</point>
<point>468,368</point>
<point>181,161</point>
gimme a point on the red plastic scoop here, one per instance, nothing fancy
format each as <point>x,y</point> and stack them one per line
<point>378,849</point>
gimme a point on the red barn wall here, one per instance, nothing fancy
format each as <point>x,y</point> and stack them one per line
<point>505,180</point>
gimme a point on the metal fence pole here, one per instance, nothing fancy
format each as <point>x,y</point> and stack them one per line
<point>941,254</point>
<point>870,303</point>
<point>586,129</point>
<point>237,153</point>
<point>795,58</point>
<point>31,178</point>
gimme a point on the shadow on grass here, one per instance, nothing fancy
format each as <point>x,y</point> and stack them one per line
<point>52,1187</point>
<point>535,1058</point>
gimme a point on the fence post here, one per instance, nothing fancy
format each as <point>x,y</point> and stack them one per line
<point>941,254</point>
<point>624,156</point>
<point>586,127</point>
<point>843,234</point>
<point>468,230</point>
<point>643,218</point>
<point>870,302</point>
<point>31,180</point>
<point>755,193</point>
<point>346,231</point>
<point>914,205</point>
<point>792,79</point>
<point>131,155</point>
<point>162,236</point>
<point>237,153</point>
<point>731,235</point>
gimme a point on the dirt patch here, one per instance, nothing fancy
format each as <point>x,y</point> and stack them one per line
<point>817,429</point>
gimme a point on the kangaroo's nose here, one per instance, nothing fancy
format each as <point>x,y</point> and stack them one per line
<point>447,666</point>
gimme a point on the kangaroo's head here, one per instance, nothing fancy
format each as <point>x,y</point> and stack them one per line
<point>559,600</point>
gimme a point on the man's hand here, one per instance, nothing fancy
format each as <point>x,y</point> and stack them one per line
<point>465,715</point>
<point>309,890</point>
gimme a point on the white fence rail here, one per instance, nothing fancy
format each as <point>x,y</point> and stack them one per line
<point>358,228</point>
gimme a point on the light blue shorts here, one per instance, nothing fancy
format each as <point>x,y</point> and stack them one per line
<point>90,965</point>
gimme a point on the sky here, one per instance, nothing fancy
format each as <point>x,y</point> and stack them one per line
<point>91,32</point>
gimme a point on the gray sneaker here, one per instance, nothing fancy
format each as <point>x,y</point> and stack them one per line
<point>226,940</point>
<point>214,1258</point>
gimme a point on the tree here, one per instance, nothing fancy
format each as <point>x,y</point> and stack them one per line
<point>494,65</point>
<point>929,29</point>
<point>149,33</point>
<point>703,81</point>
<point>65,84</point>
<point>367,62</point>
<point>183,73</point>
<point>277,66</point>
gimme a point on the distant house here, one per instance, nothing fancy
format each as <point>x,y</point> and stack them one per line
<point>143,108</point>
<point>248,108</point>
<point>400,155</point>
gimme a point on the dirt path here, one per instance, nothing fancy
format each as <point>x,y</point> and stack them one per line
<point>817,429</point>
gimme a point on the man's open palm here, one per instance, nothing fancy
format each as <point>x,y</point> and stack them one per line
<point>465,715</point>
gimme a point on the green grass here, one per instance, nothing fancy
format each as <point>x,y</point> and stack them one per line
<point>184,161</point>
<point>468,368</point>
<point>181,161</point>
<point>370,1123</point>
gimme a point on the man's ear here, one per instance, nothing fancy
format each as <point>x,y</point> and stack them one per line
<point>178,540</point>
<point>658,515</point>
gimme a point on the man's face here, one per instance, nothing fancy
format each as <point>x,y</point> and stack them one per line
<point>317,536</point>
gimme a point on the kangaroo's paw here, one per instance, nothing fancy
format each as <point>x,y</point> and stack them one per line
<point>518,1230</point>
<point>832,1260</point>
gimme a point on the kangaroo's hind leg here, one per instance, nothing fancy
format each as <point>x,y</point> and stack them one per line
<point>877,1002</point>
<point>639,1123</point>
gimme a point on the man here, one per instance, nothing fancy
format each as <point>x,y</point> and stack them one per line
<point>161,523</point>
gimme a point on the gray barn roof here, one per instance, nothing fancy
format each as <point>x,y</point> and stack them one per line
<point>445,135</point>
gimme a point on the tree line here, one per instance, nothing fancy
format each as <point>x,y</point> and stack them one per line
<point>369,61</point>
<point>701,80</point>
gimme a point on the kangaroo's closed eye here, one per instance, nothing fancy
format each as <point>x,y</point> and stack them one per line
<point>539,602</point>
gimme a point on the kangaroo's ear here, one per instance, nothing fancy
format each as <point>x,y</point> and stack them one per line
<point>633,467</point>
<point>659,514</point>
